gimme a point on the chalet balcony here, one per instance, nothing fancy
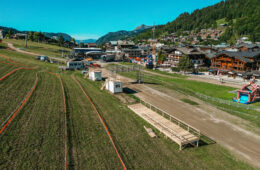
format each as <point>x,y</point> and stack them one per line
<point>224,59</point>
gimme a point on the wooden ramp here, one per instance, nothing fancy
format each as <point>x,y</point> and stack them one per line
<point>173,131</point>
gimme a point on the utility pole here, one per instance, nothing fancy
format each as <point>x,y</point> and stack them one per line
<point>26,40</point>
<point>154,31</point>
<point>154,49</point>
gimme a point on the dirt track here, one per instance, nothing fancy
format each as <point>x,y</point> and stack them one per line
<point>227,130</point>
<point>10,45</point>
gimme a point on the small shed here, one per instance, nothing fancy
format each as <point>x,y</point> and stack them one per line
<point>114,86</point>
<point>95,75</point>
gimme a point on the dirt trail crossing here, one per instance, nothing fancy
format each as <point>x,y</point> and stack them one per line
<point>10,45</point>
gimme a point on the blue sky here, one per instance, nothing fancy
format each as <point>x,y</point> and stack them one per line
<point>85,19</point>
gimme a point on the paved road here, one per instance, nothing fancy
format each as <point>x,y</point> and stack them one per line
<point>227,130</point>
<point>10,45</point>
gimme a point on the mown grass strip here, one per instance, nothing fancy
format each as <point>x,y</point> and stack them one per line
<point>35,140</point>
<point>103,122</point>
<point>12,115</point>
<point>65,118</point>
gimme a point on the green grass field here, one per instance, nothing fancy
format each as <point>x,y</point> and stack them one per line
<point>35,138</point>
<point>39,48</point>
<point>13,90</point>
<point>221,21</point>
<point>4,68</point>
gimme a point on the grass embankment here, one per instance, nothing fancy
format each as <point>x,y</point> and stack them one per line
<point>190,87</point>
<point>35,138</point>
<point>39,48</point>
<point>139,151</point>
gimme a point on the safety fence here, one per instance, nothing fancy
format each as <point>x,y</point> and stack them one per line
<point>19,107</point>
<point>227,102</point>
<point>125,68</point>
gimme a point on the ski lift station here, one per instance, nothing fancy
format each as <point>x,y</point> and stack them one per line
<point>95,75</point>
<point>114,86</point>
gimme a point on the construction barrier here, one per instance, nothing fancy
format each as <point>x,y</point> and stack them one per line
<point>102,121</point>
<point>12,115</point>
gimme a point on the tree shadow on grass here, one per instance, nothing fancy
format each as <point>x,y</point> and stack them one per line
<point>2,47</point>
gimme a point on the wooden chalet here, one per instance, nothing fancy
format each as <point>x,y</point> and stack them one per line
<point>236,61</point>
<point>198,57</point>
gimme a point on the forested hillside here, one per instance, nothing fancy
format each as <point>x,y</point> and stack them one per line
<point>241,16</point>
<point>122,35</point>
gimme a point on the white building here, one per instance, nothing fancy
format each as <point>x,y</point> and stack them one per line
<point>114,86</point>
<point>95,75</point>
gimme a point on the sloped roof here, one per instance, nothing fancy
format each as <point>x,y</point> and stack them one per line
<point>186,50</point>
<point>243,56</point>
<point>248,46</point>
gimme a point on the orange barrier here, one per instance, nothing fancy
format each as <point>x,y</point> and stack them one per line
<point>13,64</point>
<point>102,121</point>
<point>65,115</point>
<point>11,61</point>
<point>21,106</point>
<point>8,74</point>
<point>8,63</point>
<point>20,68</point>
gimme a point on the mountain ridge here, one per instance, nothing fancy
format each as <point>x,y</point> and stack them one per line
<point>122,34</point>
<point>66,37</point>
